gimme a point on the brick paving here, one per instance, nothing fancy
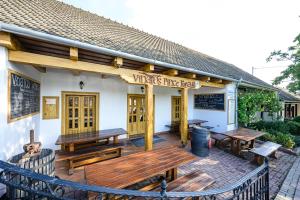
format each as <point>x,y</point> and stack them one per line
<point>290,188</point>
<point>224,167</point>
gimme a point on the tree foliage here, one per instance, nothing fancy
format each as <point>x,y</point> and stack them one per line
<point>253,101</point>
<point>293,70</point>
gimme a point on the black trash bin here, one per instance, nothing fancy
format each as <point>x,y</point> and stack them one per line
<point>200,141</point>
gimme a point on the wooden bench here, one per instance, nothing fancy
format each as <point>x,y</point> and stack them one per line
<point>220,139</point>
<point>72,142</point>
<point>89,156</point>
<point>194,181</point>
<point>265,150</point>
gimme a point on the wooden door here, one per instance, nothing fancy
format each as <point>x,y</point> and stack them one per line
<point>176,101</point>
<point>136,114</point>
<point>80,113</point>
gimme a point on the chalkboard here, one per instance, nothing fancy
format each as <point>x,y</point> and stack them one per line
<point>24,96</point>
<point>209,101</point>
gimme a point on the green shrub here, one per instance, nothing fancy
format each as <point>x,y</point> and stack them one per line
<point>294,127</point>
<point>285,140</point>
<point>279,126</point>
<point>297,119</point>
<point>269,137</point>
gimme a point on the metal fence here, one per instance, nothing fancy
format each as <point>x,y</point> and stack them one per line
<point>254,185</point>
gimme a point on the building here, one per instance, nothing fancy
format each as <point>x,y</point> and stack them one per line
<point>291,104</point>
<point>64,70</point>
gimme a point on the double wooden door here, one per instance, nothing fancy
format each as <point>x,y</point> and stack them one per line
<point>176,109</point>
<point>80,113</point>
<point>136,122</point>
<point>136,115</point>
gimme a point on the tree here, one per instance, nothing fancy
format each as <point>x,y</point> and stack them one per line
<point>293,70</point>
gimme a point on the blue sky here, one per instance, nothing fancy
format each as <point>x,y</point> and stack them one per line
<point>239,32</point>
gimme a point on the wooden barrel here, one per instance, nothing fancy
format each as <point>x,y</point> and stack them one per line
<point>200,141</point>
<point>43,163</point>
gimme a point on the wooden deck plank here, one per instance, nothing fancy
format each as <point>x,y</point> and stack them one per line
<point>128,170</point>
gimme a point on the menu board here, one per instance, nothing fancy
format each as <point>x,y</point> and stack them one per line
<point>209,101</point>
<point>24,96</point>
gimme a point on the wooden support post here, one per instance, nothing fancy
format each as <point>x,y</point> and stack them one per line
<point>189,75</point>
<point>148,68</point>
<point>73,53</point>
<point>205,79</point>
<point>149,117</point>
<point>184,116</point>
<point>171,72</point>
<point>118,62</point>
<point>8,41</point>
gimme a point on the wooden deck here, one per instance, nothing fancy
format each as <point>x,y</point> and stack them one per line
<point>224,167</point>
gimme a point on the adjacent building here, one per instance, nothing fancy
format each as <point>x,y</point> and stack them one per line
<point>291,104</point>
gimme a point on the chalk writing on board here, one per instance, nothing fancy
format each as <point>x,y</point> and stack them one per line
<point>209,101</point>
<point>24,96</point>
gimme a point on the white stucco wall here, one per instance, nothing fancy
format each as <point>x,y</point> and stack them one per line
<point>216,119</point>
<point>15,134</point>
<point>113,101</point>
<point>112,107</point>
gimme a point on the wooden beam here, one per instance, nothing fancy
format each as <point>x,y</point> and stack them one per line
<point>40,69</point>
<point>148,68</point>
<point>171,72</point>
<point>216,80</point>
<point>184,116</point>
<point>75,72</point>
<point>73,53</point>
<point>226,82</point>
<point>205,78</point>
<point>189,75</point>
<point>62,63</point>
<point>118,62</point>
<point>8,41</point>
<point>210,84</point>
<point>149,117</point>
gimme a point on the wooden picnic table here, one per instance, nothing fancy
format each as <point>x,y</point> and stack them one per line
<point>175,125</point>
<point>242,134</point>
<point>79,138</point>
<point>128,170</point>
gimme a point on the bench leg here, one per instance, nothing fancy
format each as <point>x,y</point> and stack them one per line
<point>259,159</point>
<point>116,140</point>
<point>274,155</point>
<point>173,174</point>
<point>71,147</point>
<point>71,167</point>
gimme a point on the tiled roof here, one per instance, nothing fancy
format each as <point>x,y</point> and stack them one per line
<point>286,96</point>
<point>64,20</point>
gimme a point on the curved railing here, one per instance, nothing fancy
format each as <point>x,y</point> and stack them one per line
<point>25,183</point>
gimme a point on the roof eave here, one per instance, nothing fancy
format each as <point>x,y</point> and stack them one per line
<point>69,42</point>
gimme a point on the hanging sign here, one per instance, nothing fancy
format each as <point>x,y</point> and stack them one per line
<point>160,80</point>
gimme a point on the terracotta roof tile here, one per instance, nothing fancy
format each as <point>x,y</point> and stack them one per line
<point>64,20</point>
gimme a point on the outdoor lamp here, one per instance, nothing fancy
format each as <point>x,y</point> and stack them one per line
<point>81,84</point>
<point>142,89</point>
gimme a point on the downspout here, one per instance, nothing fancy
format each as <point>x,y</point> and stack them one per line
<point>236,102</point>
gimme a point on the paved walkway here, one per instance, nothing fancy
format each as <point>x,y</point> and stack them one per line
<point>290,189</point>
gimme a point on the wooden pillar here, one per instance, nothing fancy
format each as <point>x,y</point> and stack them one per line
<point>149,117</point>
<point>184,116</point>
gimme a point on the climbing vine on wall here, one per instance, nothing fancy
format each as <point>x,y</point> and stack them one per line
<point>252,101</point>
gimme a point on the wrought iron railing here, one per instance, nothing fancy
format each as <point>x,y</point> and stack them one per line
<point>25,183</point>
